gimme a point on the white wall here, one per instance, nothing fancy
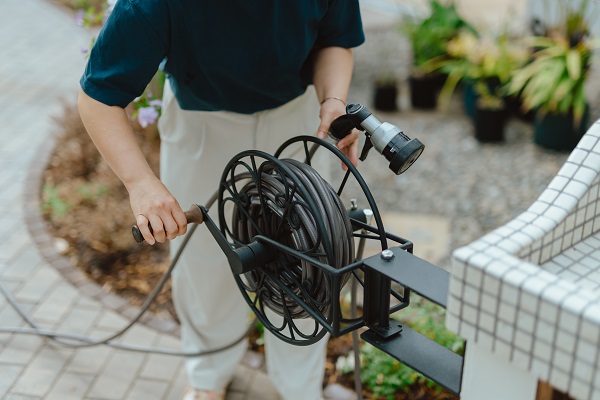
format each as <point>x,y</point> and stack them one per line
<point>495,15</point>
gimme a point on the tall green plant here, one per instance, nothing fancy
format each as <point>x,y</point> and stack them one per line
<point>429,36</point>
<point>484,62</point>
<point>554,82</point>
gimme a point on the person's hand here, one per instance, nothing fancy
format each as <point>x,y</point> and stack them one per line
<point>152,204</point>
<point>330,110</point>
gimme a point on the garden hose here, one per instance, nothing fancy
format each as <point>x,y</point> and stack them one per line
<point>338,224</point>
<point>301,237</point>
<point>80,341</point>
<point>299,232</point>
<point>285,208</point>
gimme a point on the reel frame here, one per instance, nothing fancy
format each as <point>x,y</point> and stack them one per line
<point>395,264</point>
<point>328,319</point>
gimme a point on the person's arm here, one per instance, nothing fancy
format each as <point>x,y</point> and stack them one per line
<point>151,202</point>
<point>331,76</point>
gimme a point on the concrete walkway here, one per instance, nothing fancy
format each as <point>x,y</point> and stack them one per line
<point>41,64</point>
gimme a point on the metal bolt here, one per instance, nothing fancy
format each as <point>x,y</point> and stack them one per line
<point>387,254</point>
<point>353,204</point>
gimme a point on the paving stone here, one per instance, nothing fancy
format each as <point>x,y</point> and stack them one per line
<point>10,317</point>
<point>178,386</point>
<point>90,360</point>
<point>261,388</point>
<point>91,304</point>
<point>38,285</point>
<point>161,367</point>
<point>50,312</point>
<point>429,233</point>
<point>8,376</point>
<point>70,386</point>
<point>144,389</point>
<point>39,376</point>
<point>56,304</point>
<point>115,379</point>
<point>140,335</point>
<point>236,396</point>
<point>21,349</point>
<point>168,341</point>
<point>242,380</point>
<point>109,320</point>
<point>11,247</point>
<point>79,319</point>
<point>21,397</point>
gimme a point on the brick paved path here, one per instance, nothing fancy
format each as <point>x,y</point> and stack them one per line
<point>40,65</point>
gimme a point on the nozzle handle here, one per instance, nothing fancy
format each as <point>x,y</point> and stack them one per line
<point>341,127</point>
<point>192,216</point>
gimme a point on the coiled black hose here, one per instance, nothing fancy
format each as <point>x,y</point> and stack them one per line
<point>287,219</point>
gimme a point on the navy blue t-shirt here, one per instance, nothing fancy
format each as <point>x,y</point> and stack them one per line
<point>234,55</point>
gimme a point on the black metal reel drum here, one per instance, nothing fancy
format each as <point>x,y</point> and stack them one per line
<point>307,237</point>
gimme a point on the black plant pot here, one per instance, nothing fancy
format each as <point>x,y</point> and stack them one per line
<point>470,98</point>
<point>424,90</point>
<point>514,105</point>
<point>385,97</point>
<point>489,124</point>
<point>558,131</point>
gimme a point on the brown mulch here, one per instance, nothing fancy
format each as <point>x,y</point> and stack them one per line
<point>86,205</point>
<point>88,213</point>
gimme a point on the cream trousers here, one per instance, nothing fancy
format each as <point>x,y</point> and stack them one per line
<point>195,148</point>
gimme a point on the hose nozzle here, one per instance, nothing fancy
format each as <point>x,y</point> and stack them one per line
<point>400,150</point>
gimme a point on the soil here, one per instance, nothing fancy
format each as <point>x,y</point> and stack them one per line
<point>88,212</point>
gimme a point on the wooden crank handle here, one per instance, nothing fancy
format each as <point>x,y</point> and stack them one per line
<point>193,216</point>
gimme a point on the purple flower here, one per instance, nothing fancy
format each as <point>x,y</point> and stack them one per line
<point>147,116</point>
<point>156,103</point>
<point>80,18</point>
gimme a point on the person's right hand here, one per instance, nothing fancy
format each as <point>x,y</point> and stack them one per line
<point>152,204</point>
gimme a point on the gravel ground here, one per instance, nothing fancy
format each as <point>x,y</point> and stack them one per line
<point>478,187</point>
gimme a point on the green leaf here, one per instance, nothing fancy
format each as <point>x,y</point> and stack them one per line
<point>522,77</point>
<point>574,64</point>
<point>453,78</point>
<point>566,104</point>
<point>551,52</point>
<point>540,42</point>
<point>562,89</point>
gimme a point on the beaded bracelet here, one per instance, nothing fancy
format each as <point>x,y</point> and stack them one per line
<point>332,98</point>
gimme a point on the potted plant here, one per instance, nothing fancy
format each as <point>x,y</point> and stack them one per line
<point>490,113</point>
<point>553,83</point>
<point>475,59</point>
<point>386,93</point>
<point>428,37</point>
<point>483,65</point>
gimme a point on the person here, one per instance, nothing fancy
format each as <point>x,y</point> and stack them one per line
<point>240,75</point>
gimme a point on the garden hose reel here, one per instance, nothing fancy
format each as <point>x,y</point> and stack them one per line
<point>287,236</point>
<point>289,241</point>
